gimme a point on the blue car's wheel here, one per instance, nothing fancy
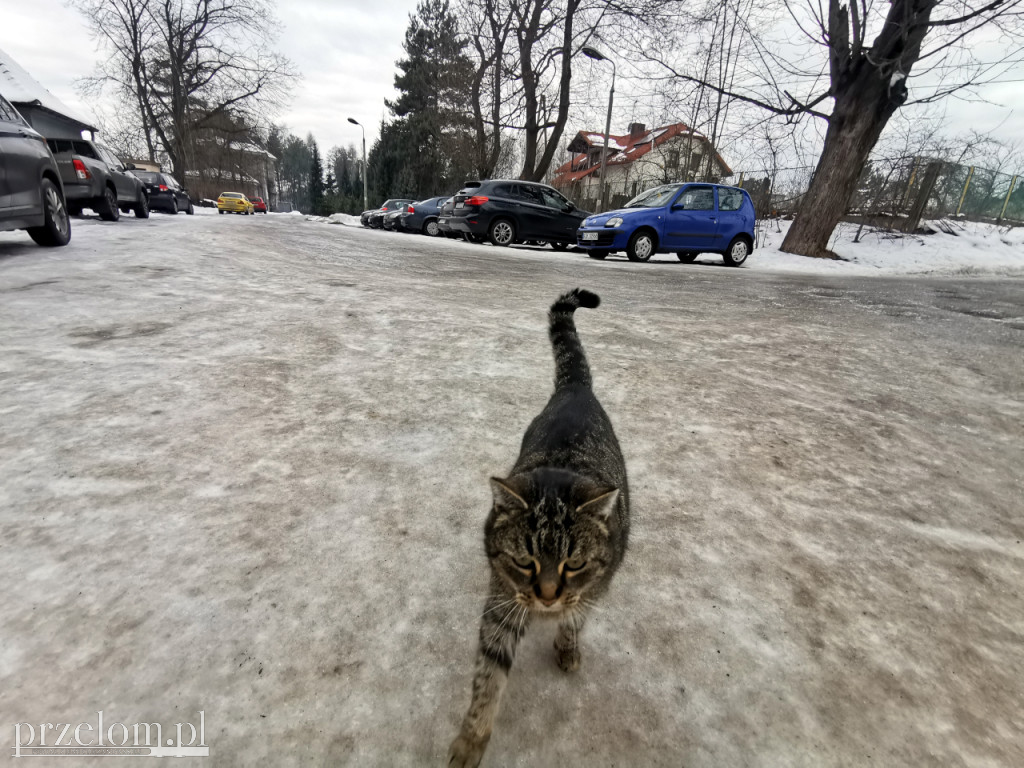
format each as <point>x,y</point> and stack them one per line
<point>737,252</point>
<point>641,246</point>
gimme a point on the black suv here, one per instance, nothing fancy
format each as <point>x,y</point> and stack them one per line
<point>511,211</point>
<point>94,177</point>
<point>164,193</point>
<point>31,195</point>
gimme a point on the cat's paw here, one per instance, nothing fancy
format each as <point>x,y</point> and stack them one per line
<point>465,752</point>
<point>568,658</point>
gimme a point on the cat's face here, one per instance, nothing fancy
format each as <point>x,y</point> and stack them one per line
<point>549,541</point>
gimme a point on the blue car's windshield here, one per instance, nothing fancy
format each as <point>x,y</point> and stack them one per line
<point>654,198</point>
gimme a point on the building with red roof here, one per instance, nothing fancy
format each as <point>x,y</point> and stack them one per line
<point>636,161</point>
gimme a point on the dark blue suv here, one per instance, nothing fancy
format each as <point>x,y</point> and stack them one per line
<point>687,219</point>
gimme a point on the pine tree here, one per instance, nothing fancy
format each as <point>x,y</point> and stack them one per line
<point>316,178</point>
<point>433,87</point>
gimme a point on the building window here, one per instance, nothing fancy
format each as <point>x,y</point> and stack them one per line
<point>672,160</point>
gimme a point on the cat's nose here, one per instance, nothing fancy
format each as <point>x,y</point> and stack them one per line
<point>547,592</point>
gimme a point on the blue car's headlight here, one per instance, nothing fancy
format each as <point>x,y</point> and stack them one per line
<point>615,221</point>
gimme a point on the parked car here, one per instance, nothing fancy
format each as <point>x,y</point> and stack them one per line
<point>390,220</point>
<point>165,194</point>
<point>259,205</point>
<point>31,193</point>
<point>94,177</point>
<point>234,202</point>
<point>688,219</point>
<point>422,216</point>
<point>510,211</point>
<point>443,215</point>
<point>376,218</point>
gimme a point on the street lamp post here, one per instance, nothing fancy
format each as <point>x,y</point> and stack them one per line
<point>356,122</point>
<point>595,54</point>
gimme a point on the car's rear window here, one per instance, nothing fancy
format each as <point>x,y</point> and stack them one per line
<point>729,199</point>
<point>9,113</point>
<point>150,176</point>
<point>230,194</point>
<point>85,149</point>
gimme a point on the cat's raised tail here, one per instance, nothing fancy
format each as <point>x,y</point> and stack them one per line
<point>571,367</point>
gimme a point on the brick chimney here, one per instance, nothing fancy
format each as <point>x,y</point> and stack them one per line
<point>636,130</point>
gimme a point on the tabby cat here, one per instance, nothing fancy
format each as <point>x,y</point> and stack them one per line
<point>556,533</point>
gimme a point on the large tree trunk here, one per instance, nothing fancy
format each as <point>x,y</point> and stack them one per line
<point>868,87</point>
<point>859,116</point>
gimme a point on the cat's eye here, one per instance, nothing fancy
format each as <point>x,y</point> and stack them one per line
<point>524,564</point>
<point>574,564</point>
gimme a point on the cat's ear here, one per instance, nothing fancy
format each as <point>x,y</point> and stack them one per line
<point>600,501</point>
<point>507,495</point>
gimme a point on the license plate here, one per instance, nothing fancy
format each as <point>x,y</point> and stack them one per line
<point>590,235</point>
<point>460,205</point>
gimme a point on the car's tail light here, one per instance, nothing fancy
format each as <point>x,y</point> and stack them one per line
<point>477,200</point>
<point>409,209</point>
<point>163,187</point>
<point>80,170</point>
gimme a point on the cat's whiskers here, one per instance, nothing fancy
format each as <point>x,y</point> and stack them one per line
<point>498,629</point>
<point>499,605</point>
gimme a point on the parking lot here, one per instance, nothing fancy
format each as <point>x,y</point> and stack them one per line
<point>245,472</point>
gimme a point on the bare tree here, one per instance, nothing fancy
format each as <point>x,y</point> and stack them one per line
<point>524,51</point>
<point>188,67</point>
<point>866,81</point>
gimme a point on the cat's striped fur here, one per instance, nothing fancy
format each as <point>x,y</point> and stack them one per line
<point>557,530</point>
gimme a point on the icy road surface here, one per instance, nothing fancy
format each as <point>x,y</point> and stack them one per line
<point>243,470</point>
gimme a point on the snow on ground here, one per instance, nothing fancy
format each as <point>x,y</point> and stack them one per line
<point>244,462</point>
<point>976,248</point>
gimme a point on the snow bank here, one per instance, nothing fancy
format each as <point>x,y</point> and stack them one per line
<point>951,248</point>
<point>345,219</point>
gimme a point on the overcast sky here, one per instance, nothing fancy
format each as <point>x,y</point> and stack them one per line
<point>346,51</point>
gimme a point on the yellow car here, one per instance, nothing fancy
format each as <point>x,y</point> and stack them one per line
<point>235,202</point>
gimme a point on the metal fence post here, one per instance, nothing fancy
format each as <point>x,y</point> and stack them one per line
<point>970,174</point>
<point>1009,192</point>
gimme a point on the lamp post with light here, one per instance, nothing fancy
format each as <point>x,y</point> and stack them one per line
<point>356,122</point>
<point>595,54</point>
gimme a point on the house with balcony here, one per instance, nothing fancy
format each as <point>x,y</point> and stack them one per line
<point>636,161</point>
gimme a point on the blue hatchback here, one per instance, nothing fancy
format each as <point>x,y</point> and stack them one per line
<point>687,219</point>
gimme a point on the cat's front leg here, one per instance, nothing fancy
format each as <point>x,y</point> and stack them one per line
<point>567,649</point>
<point>503,624</point>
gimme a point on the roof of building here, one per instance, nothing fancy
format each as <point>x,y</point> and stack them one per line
<point>623,150</point>
<point>19,87</point>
